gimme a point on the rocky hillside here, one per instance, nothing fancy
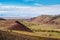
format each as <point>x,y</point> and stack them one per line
<point>47,19</point>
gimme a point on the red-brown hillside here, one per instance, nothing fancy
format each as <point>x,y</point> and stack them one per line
<point>14,25</point>
<point>47,19</point>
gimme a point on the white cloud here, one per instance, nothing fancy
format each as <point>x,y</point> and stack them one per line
<point>29,10</point>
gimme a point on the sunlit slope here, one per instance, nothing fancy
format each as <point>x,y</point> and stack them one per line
<point>34,27</point>
<point>47,19</point>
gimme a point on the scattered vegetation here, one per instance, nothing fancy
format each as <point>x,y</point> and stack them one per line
<point>18,35</point>
<point>41,28</point>
<point>41,32</point>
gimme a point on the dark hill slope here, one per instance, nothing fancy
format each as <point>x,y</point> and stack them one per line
<point>14,25</point>
<point>2,19</point>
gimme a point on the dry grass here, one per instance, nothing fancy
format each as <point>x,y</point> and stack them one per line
<point>26,35</point>
<point>22,35</point>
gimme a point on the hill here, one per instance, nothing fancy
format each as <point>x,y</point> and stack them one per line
<point>13,25</point>
<point>47,19</point>
<point>2,19</point>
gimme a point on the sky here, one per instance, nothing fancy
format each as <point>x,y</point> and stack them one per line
<point>29,8</point>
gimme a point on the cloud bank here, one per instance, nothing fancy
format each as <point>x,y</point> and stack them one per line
<point>28,11</point>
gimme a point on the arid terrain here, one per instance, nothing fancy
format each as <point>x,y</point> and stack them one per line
<point>44,27</point>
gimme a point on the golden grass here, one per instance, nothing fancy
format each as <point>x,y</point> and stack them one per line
<point>38,35</point>
<point>41,34</point>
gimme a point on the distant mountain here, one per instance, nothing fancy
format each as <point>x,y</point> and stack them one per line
<point>47,19</point>
<point>2,19</point>
<point>16,17</point>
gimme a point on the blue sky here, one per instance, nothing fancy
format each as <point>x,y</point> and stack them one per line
<point>29,8</point>
<point>29,2</point>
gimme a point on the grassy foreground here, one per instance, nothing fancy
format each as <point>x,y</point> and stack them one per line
<point>40,32</point>
<point>20,35</point>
